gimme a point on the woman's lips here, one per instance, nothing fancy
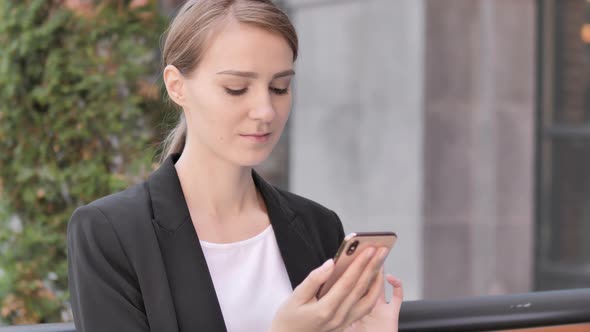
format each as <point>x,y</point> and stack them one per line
<point>258,138</point>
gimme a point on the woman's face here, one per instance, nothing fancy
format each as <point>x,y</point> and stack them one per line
<point>238,99</point>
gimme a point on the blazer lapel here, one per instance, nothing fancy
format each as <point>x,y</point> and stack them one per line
<point>292,236</point>
<point>196,304</point>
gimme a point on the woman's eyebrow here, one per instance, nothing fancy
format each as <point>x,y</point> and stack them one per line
<point>284,73</point>
<point>249,74</point>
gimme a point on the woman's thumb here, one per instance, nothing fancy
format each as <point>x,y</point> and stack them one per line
<point>310,286</point>
<point>398,290</point>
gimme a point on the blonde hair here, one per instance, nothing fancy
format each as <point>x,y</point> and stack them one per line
<point>186,38</point>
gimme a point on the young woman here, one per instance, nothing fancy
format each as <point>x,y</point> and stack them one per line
<point>205,244</point>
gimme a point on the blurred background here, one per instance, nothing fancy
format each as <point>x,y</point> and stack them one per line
<point>462,125</point>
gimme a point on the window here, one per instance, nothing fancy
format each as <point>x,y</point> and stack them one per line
<point>563,197</point>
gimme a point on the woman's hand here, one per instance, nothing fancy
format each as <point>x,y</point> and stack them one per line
<point>351,298</point>
<point>384,316</point>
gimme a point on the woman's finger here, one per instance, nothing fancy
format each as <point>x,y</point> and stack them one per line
<point>382,286</point>
<point>353,307</point>
<point>348,280</point>
<point>308,288</point>
<point>398,291</point>
<point>367,302</point>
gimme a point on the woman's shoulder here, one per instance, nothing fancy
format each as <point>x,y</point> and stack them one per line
<point>312,212</point>
<point>129,201</point>
<point>302,204</point>
<point>123,211</point>
<point>324,226</point>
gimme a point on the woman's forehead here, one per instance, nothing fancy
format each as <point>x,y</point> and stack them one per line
<point>246,47</point>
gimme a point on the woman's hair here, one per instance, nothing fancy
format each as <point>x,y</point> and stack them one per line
<point>192,28</point>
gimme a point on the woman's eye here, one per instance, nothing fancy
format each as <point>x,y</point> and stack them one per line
<point>236,92</point>
<point>279,91</point>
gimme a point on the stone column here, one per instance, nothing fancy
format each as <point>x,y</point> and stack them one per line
<point>479,144</point>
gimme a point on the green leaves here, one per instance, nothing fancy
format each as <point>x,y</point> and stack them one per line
<point>76,124</point>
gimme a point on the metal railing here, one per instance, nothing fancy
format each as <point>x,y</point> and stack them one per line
<point>499,312</point>
<point>485,313</point>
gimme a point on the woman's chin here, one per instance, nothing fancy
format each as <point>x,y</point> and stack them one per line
<point>253,158</point>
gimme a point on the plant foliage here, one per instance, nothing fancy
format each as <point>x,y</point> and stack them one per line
<point>78,104</point>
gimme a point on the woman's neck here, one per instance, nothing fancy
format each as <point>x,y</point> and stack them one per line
<point>215,188</point>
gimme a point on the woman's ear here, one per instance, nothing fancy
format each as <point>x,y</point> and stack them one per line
<point>174,82</point>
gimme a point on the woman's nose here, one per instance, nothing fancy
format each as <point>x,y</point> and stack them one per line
<point>264,110</point>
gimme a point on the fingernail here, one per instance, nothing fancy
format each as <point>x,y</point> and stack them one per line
<point>370,252</point>
<point>382,253</point>
<point>394,279</point>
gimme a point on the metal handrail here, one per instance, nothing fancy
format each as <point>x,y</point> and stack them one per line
<point>483,313</point>
<point>498,312</point>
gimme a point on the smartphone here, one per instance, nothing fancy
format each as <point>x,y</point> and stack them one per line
<point>352,245</point>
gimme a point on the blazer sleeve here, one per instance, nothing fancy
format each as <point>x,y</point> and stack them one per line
<point>104,292</point>
<point>339,229</point>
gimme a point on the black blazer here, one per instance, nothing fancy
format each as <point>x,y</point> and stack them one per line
<point>135,262</point>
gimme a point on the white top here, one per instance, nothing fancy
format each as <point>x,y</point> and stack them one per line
<point>250,280</point>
